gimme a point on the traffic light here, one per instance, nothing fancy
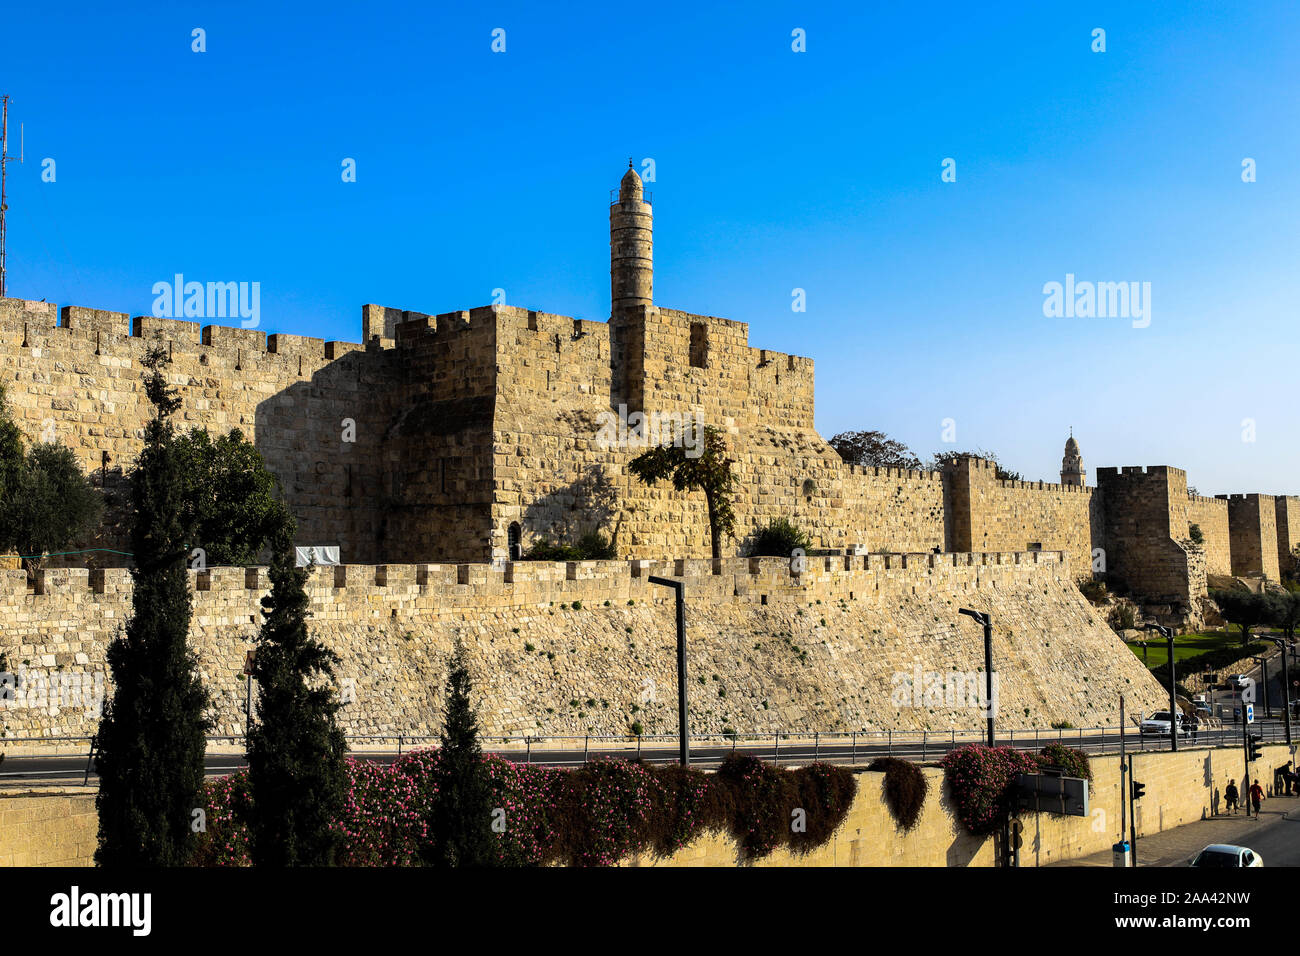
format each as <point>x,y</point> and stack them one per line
<point>1138,790</point>
<point>1252,747</point>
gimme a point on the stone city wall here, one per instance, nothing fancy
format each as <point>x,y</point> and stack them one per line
<point>589,647</point>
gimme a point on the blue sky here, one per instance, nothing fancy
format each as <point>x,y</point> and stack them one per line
<point>775,170</point>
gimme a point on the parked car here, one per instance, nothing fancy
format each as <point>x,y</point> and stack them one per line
<point>1218,855</point>
<point>1158,723</point>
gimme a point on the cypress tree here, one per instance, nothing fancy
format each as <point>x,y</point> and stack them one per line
<point>295,750</point>
<point>150,742</point>
<point>462,813</point>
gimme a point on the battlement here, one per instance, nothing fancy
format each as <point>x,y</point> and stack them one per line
<point>449,587</point>
<point>1142,471</point>
<point>1252,497</point>
<point>1044,486</point>
<point>903,474</point>
<point>43,324</point>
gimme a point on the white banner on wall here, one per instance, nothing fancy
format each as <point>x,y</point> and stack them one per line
<point>318,555</point>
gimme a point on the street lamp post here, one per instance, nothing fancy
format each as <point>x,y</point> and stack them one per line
<point>982,618</point>
<point>1168,634</point>
<point>683,728</point>
<point>1286,689</point>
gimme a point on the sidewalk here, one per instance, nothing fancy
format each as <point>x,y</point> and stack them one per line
<point>1174,847</point>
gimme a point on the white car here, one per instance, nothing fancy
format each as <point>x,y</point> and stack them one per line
<point>1158,723</point>
<point>1226,855</point>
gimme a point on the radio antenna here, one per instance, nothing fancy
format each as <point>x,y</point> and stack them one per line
<point>5,160</point>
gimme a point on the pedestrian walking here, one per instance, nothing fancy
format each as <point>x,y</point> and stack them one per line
<point>1256,797</point>
<point>1230,796</point>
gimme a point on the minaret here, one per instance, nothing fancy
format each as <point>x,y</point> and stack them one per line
<point>631,246</point>
<point>1072,472</point>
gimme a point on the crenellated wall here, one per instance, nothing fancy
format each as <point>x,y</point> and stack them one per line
<point>1288,529</point>
<point>444,432</point>
<point>588,647</point>
<point>1146,539</point>
<point>1211,516</point>
<point>1252,524</point>
<point>990,513</point>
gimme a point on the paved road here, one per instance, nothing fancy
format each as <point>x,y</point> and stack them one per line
<point>17,769</point>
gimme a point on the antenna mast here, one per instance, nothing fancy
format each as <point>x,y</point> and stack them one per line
<point>5,160</point>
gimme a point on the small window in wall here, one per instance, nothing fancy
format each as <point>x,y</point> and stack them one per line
<point>699,345</point>
<point>1035,546</point>
<point>514,539</point>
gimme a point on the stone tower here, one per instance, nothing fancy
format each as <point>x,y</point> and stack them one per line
<point>1072,472</point>
<point>631,246</point>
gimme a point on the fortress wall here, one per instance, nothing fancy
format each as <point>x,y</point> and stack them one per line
<point>1211,515</point>
<point>769,649</point>
<point>894,509</point>
<point>80,383</point>
<point>556,479</point>
<point>437,442</point>
<point>1146,526</point>
<point>1288,529</point>
<point>988,513</point>
<point>746,385</point>
<point>1252,526</point>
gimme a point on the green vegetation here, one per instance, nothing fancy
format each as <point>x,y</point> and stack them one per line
<point>46,503</point>
<point>709,472</point>
<point>295,749</point>
<point>461,825</point>
<point>779,539</point>
<point>1197,651</point>
<point>150,743</point>
<point>231,496</point>
<point>592,546</point>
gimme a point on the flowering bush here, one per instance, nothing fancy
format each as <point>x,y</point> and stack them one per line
<point>224,840</point>
<point>381,821</point>
<point>1075,762</point>
<point>981,779</point>
<point>595,815</point>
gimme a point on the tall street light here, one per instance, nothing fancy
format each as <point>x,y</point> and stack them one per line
<point>683,729</point>
<point>982,618</point>
<point>1286,689</point>
<point>1168,634</point>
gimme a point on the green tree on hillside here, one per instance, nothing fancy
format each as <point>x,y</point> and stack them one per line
<point>709,472</point>
<point>150,744</point>
<point>1244,609</point>
<point>295,749</point>
<point>1284,612</point>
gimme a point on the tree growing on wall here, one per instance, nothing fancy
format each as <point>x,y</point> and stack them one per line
<point>295,749</point>
<point>49,506</point>
<point>46,503</point>
<point>874,449</point>
<point>150,743</point>
<point>709,472</point>
<point>462,813</point>
<point>233,496</point>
